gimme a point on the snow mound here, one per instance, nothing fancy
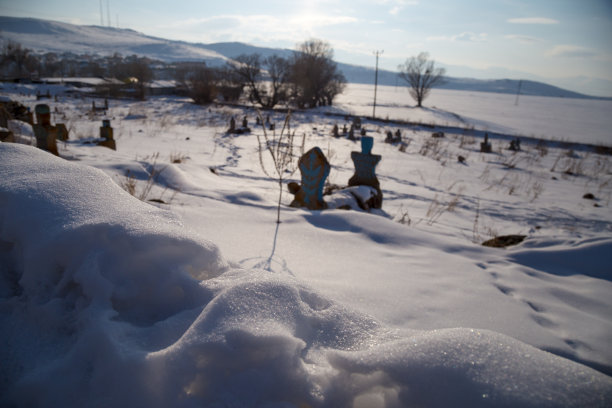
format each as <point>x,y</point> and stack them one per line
<point>108,301</point>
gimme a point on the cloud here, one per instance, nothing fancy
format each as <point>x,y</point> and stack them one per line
<point>466,36</point>
<point>397,5</point>
<point>571,51</point>
<point>260,27</point>
<point>522,38</point>
<point>533,20</point>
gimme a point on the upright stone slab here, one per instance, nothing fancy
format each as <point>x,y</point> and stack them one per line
<point>106,133</point>
<point>314,168</point>
<point>365,169</point>
<point>485,147</point>
<point>46,134</point>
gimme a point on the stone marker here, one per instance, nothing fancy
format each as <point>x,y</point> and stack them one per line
<point>515,145</point>
<point>46,134</point>
<point>232,125</point>
<point>351,133</point>
<point>365,167</point>
<point>106,133</point>
<point>5,134</point>
<point>335,130</point>
<point>62,132</point>
<point>314,168</point>
<point>485,147</point>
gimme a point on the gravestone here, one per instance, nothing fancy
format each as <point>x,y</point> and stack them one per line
<point>232,125</point>
<point>314,168</point>
<point>365,169</point>
<point>515,145</point>
<point>245,122</point>
<point>389,138</point>
<point>335,131</point>
<point>485,147</point>
<point>46,134</point>
<point>398,136</point>
<point>106,133</point>
<point>351,134</point>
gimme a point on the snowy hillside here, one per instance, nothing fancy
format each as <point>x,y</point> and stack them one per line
<point>43,35</point>
<point>54,36</point>
<point>200,299</point>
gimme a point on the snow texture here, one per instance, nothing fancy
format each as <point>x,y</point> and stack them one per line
<point>201,299</point>
<point>107,301</point>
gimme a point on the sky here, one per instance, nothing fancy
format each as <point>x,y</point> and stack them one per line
<point>560,41</point>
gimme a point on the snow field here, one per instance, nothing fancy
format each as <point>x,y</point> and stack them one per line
<point>336,308</point>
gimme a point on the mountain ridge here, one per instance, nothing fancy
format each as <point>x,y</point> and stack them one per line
<point>53,36</point>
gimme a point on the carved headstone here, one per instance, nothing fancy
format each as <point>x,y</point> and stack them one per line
<point>46,134</point>
<point>314,168</point>
<point>365,169</point>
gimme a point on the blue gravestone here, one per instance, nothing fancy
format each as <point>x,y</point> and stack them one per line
<point>365,167</point>
<point>315,169</point>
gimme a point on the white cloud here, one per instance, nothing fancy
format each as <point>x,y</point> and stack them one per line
<point>533,20</point>
<point>397,5</point>
<point>522,38</point>
<point>571,51</point>
<point>466,36</point>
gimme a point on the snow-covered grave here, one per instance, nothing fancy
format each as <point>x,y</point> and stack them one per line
<point>198,298</point>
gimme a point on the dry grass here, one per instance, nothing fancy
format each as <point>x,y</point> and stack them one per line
<point>142,190</point>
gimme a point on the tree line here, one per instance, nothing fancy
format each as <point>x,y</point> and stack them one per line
<point>308,78</point>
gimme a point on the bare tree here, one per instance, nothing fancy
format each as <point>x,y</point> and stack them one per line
<point>314,75</point>
<point>421,75</point>
<point>198,81</point>
<point>265,79</point>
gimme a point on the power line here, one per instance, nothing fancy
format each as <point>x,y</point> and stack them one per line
<point>101,14</point>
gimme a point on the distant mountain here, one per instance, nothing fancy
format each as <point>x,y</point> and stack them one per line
<point>52,36</point>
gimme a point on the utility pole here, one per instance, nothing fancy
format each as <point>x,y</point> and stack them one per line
<point>101,14</point>
<point>518,92</point>
<point>377,53</point>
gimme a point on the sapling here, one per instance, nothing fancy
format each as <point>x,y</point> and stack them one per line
<point>280,148</point>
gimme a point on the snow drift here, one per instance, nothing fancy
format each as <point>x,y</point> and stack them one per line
<point>109,301</point>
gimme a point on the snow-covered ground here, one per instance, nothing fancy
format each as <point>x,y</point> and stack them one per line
<point>561,119</point>
<point>203,300</point>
